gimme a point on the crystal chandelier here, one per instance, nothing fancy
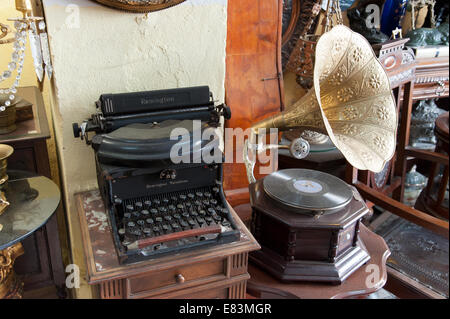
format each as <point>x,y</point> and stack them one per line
<point>34,27</point>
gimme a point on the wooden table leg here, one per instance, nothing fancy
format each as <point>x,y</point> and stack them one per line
<point>11,287</point>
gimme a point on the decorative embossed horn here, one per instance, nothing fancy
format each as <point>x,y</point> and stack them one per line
<point>351,102</point>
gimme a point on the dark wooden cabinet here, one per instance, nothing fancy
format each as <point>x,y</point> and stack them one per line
<point>41,265</point>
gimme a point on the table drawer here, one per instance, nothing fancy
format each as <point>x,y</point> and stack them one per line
<point>178,277</point>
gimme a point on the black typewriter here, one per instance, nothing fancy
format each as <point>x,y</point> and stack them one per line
<point>158,205</point>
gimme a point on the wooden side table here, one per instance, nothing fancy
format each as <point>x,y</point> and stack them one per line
<point>366,280</point>
<point>212,272</point>
<point>42,265</point>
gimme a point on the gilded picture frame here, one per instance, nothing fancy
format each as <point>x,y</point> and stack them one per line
<point>140,5</point>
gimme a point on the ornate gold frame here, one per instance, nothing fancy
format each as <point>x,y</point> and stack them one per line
<point>140,6</point>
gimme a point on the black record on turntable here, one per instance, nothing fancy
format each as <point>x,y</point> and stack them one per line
<point>308,190</point>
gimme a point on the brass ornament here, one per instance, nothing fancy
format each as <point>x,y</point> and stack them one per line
<point>5,152</point>
<point>140,5</point>
<point>10,286</point>
<point>355,108</point>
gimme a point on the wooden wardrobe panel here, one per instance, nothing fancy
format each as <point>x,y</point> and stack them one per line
<point>253,54</point>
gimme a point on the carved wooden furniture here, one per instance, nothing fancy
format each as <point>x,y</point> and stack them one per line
<point>215,272</point>
<point>432,78</point>
<point>434,198</point>
<point>42,264</point>
<point>253,81</point>
<point>300,247</point>
<point>366,280</point>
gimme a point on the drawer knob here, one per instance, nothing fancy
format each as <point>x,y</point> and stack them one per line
<point>180,279</point>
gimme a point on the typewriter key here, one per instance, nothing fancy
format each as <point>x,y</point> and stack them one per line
<point>213,201</point>
<point>162,209</point>
<point>191,222</point>
<point>121,231</point>
<point>156,201</point>
<point>225,223</point>
<point>190,195</point>
<point>127,215</point>
<point>171,208</point>
<point>206,202</point>
<point>131,224</point>
<point>215,189</point>
<point>208,219</point>
<point>188,204</point>
<point>182,197</point>
<point>199,194</point>
<point>136,214</point>
<point>129,208</point>
<point>202,212</point>
<point>136,232</point>
<point>165,227</point>
<point>217,217</point>
<point>156,229</point>
<point>183,223</point>
<point>149,221</point>
<point>147,203</point>
<point>194,213</point>
<point>153,211</point>
<point>158,219</point>
<point>145,212</point>
<point>140,222</point>
<point>175,226</point>
<point>138,205</point>
<point>174,198</point>
<point>211,210</point>
<point>147,231</point>
<point>185,214</point>
<point>200,220</point>
<point>180,206</point>
<point>198,203</point>
<point>176,216</point>
<point>207,194</point>
<point>126,242</point>
<point>165,201</point>
<point>168,218</point>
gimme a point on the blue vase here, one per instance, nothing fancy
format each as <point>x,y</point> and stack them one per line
<point>392,15</point>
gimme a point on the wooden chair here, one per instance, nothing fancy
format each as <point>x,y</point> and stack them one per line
<point>386,189</point>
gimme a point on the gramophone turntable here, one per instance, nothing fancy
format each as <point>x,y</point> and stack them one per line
<point>307,222</point>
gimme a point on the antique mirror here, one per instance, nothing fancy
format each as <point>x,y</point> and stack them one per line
<point>140,5</point>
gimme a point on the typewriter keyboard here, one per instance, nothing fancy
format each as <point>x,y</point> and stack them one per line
<point>153,222</point>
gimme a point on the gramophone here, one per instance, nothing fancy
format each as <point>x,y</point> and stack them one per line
<point>306,221</point>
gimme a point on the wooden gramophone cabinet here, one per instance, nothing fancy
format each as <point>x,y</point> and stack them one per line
<point>300,247</point>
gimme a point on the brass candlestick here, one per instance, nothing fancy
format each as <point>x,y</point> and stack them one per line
<point>5,152</point>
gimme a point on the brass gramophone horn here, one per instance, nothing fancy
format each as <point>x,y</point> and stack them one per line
<point>351,102</point>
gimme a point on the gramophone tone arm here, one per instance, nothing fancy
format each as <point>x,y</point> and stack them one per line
<point>299,148</point>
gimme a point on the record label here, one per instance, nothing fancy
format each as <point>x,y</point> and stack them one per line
<point>307,186</point>
<point>308,190</point>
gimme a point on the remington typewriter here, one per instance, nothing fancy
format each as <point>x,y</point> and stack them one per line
<point>158,205</point>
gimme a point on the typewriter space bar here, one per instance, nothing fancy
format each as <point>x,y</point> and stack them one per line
<point>174,236</point>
